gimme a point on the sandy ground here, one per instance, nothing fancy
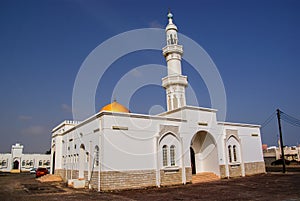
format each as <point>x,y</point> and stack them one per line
<point>271,186</point>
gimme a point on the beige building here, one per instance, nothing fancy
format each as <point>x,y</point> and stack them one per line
<point>273,153</point>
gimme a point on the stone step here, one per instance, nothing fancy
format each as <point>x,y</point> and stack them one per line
<point>204,177</point>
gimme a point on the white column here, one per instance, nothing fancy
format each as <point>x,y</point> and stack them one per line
<point>182,162</point>
<point>156,148</point>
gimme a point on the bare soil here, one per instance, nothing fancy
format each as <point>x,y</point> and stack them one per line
<point>271,186</point>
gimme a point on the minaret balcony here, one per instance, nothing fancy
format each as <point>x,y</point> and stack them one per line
<point>172,49</point>
<point>174,80</point>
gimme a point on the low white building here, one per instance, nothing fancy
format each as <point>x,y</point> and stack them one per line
<point>16,161</point>
<point>117,149</point>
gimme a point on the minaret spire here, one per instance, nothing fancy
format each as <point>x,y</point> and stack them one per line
<point>174,83</point>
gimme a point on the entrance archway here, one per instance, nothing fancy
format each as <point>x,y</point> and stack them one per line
<point>204,149</point>
<point>16,165</point>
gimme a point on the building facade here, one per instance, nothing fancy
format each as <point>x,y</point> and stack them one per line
<point>117,149</point>
<point>273,153</point>
<point>17,162</point>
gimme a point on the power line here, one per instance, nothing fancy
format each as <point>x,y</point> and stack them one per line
<point>289,119</point>
<point>268,120</point>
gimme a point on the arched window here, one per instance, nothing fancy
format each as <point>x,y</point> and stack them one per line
<point>96,156</point>
<point>165,155</point>
<point>23,163</point>
<point>229,154</point>
<point>3,163</point>
<point>172,155</point>
<point>234,153</point>
<point>40,162</point>
<point>31,163</point>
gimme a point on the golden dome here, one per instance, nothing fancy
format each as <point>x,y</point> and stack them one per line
<point>115,107</point>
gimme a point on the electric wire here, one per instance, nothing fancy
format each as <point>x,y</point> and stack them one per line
<point>290,119</point>
<point>268,120</point>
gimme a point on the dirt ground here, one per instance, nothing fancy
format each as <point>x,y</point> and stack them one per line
<point>271,186</point>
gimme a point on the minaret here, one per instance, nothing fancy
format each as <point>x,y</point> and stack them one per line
<point>174,83</point>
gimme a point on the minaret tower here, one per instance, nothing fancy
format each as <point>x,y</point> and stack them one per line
<point>174,83</point>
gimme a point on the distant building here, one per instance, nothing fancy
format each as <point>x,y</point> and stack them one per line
<point>273,153</point>
<point>16,161</point>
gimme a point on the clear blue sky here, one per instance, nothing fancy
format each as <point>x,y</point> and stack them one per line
<point>255,45</point>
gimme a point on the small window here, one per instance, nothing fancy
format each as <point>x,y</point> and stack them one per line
<point>23,163</point>
<point>234,153</point>
<point>165,155</point>
<point>172,155</point>
<point>96,156</point>
<point>229,154</point>
<point>40,162</point>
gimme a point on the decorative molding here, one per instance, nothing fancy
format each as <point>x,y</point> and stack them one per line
<point>231,132</point>
<point>163,129</point>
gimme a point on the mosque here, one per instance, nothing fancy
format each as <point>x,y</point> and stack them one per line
<point>119,149</point>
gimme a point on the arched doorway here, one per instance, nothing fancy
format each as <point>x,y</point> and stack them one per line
<point>82,157</point>
<point>16,165</point>
<point>53,163</point>
<point>205,152</point>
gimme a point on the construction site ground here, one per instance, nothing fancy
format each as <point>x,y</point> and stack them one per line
<point>271,186</point>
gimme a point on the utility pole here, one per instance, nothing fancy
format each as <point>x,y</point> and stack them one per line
<point>281,141</point>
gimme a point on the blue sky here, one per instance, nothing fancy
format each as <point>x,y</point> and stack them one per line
<point>255,45</point>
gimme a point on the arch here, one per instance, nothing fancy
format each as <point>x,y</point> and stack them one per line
<point>3,163</point>
<point>233,145</point>
<point>233,136</point>
<point>169,146</point>
<point>168,133</point>
<point>205,151</point>
<point>16,165</point>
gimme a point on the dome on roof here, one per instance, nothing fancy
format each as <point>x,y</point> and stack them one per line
<point>115,107</point>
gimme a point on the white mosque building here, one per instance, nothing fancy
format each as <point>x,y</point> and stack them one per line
<point>17,161</point>
<point>114,150</point>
